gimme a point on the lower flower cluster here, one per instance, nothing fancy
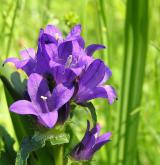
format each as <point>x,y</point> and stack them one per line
<point>62,71</point>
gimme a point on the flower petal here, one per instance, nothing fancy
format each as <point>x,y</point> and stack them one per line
<point>62,74</point>
<point>48,119</point>
<point>63,113</point>
<point>53,31</point>
<point>51,50</point>
<point>93,75</point>
<point>13,60</point>
<point>37,87</point>
<point>107,75</point>
<point>27,53</point>
<point>75,31</point>
<point>61,95</point>
<point>106,91</point>
<point>27,65</point>
<point>87,134</point>
<point>109,93</point>
<point>64,50</point>
<point>96,130</point>
<point>74,36</point>
<point>23,107</point>
<point>103,139</point>
<point>92,48</point>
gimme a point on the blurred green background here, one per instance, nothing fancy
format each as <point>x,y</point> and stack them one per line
<point>130,31</point>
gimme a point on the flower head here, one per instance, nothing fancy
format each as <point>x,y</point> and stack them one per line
<point>90,143</point>
<point>43,103</point>
<point>65,58</point>
<point>90,84</point>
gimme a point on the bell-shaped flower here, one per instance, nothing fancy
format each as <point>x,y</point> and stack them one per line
<point>91,84</point>
<point>90,143</point>
<point>43,103</point>
<point>27,63</point>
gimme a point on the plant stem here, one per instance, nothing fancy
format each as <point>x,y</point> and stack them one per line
<point>11,29</point>
<point>58,155</point>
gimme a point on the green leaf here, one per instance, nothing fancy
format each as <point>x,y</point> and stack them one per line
<point>30,144</point>
<point>7,153</point>
<point>13,80</point>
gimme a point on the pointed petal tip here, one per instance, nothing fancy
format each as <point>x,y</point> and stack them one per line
<point>112,95</point>
<point>48,119</point>
<point>92,48</point>
<point>23,107</point>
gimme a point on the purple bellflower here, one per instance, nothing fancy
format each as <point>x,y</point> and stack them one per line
<point>43,103</point>
<point>66,58</point>
<point>90,84</point>
<point>90,143</point>
<point>27,63</point>
<point>63,61</point>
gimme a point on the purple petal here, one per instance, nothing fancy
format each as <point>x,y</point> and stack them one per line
<point>107,92</point>
<point>23,107</point>
<point>27,65</point>
<point>47,50</point>
<point>77,71</point>
<point>89,139</point>
<point>64,50</point>
<point>103,139</point>
<point>96,130</point>
<point>108,74</point>
<point>63,113</point>
<point>53,64</point>
<point>51,50</point>
<point>75,31</point>
<point>85,60</point>
<point>37,87</point>
<point>81,42</point>
<point>42,62</point>
<point>75,37</point>
<point>93,75</point>
<point>13,60</point>
<point>48,119</point>
<point>87,133</point>
<point>62,74</point>
<point>92,48</point>
<point>47,39</point>
<point>53,31</point>
<point>27,53</point>
<point>61,95</point>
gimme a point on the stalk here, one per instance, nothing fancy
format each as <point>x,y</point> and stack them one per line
<point>58,154</point>
<point>84,18</point>
<point>12,28</point>
<point>105,32</point>
<point>136,42</point>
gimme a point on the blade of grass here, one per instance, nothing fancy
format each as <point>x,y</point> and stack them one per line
<point>84,18</point>
<point>104,30</point>
<point>12,28</point>
<point>136,30</point>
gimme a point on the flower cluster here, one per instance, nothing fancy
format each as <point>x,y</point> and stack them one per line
<point>61,71</point>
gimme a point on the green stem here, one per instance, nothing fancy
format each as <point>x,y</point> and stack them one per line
<point>12,28</point>
<point>58,154</point>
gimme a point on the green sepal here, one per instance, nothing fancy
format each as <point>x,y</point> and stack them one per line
<point>71,161</point>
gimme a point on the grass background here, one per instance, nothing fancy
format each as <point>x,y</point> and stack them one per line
<point>130,31</point>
